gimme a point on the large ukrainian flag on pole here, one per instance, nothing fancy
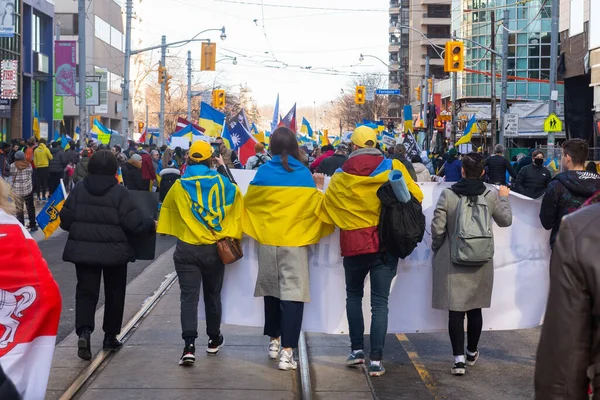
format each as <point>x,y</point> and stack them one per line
<point>211,120</point>
<point>48,219</point>
<point>280,207</point>
<point>102,132</point>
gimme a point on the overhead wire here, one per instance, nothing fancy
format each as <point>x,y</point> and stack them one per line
<point>302,7</point>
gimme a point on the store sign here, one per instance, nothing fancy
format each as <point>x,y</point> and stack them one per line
<point>8,18</point>
<point>92,93</point>
<point>58,108</point>
<point>65,67</point>
<point>102,74</point>
<point>9,70</point>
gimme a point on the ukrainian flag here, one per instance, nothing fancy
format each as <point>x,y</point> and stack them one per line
<point>36,123</point>
<point>468,133</point>
<point>120,176</point>
<point>202,207</point>
<point>211,120</point>
<point>351,201</point>
<point>280,207</point>
<point>102,132</point>
<point>306,128</point>
<point>48,219</point>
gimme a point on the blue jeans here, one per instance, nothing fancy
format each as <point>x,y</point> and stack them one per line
<point>382,269</point>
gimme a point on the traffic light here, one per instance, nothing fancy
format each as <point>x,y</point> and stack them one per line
<point>218,98</point>
<point>430,85</point>
<point>454,57</point>
<point>418,90</point>
<point>439,125</point>
<point>140,127</point>
<point>359,95</point>
<point>167,83</point>
<point>208,57</point>
<point>162,71</point>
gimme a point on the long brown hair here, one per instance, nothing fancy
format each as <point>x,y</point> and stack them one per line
<point>283,143</point>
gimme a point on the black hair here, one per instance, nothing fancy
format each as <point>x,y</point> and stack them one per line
<point>54,145</point>
<point>283,143</point>
<point>416,159</point>
<point>118,148</point>
<point>577,149</point>
<point>591,167</point>
<point>327,147</point>
<point>473,164</point>
<point>103,162</point>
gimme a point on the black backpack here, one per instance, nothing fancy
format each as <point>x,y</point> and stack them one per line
<point>401,225</point>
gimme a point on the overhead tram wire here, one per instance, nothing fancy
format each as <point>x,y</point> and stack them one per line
<point>302,7</point>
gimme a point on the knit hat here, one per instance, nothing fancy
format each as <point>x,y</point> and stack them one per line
<point>19,155</point>
<point>136,157</point>
<point>453,152</point>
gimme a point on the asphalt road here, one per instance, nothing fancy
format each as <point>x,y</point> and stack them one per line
<point>64,274</point>
<point>418,368</point>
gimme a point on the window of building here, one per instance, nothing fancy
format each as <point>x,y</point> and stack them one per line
<point>36,33</point>
<point>438,31</point>
<point>438,11</point>
<point>109,34</point>
<point>115,81</point>
<point>69,24</point>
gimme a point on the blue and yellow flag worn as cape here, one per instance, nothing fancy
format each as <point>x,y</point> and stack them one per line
<point>280,207</point>
<point>202,196</point>
<point>351,201</point>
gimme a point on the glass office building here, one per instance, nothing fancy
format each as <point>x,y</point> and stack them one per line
<point>528,51</point>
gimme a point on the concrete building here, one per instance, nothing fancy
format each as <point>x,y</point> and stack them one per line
<point>30,47</point>
<point>580,45</point>
<point>105,47</point>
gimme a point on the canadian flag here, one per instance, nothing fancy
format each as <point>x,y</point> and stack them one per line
<point>30,306</point>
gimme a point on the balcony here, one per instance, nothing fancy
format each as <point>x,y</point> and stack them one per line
<point>394,7</point>
<point>394,66</point>
<point>432,61</point>
<point>434,2</point>
<point>394,47</point>
<point>436,19</point>
<point>437,41</point>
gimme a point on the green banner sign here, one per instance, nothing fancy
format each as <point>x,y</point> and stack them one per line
<point>58,108</point>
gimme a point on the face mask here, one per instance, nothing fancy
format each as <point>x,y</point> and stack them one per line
<point>539,161</point>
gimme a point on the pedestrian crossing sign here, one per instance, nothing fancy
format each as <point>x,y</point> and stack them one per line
<point>553,124</point>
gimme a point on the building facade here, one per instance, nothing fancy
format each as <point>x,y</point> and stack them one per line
<point>32,48</point>
<point>105,57</point>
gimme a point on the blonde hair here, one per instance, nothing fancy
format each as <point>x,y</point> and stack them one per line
<point>7,198</point>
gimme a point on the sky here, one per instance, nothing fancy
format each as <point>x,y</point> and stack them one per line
<point>305,51</point>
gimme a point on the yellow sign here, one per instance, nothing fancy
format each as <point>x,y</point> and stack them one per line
<point>408,125</point>
<point>553,124</point>
<point>445,117</point>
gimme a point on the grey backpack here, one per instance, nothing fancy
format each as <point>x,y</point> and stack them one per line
<point>472,243</point>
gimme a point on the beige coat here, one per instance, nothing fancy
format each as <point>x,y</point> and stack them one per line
<point>283,273</point>
<point>455,287</point>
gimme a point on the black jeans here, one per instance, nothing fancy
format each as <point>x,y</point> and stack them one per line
<point>53,181</point>
<point>88,290</point>
<point>382,269</point>
<point>283,319</point>
<point>26,201</point>
<point>456,329</point>
<point>41,181</point>
<point>195,265</point>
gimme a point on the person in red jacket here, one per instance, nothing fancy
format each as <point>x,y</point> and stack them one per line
<point>326,152</point>
<point>148,171</point>
<point>351,203</point>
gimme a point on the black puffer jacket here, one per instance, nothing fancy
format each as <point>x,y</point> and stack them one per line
<point>58,162</point>
<point>7,388</point>
<point>99,215</point>
<point>329,165</point>
<point>565,194</point>
<point>532,181</point>
<point>496,169</point>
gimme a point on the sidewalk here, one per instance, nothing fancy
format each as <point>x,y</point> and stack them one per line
<point>147,366</point>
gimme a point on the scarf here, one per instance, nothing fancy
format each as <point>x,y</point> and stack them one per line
<point>469,187</point>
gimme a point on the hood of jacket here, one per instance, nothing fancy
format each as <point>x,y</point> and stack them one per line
<point>136,164</point>
<point>22,164</point>
<point>98,185</point>
<point>580,183</point>
<point>469,187</point>
<point>41,146</point>
<point>166,171</point>
<point>363,162</point>
<point>419,168</point>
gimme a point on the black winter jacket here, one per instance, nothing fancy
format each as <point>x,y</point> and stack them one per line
<point>58,162</point>
<point>408,165</point>
<point>72,156</point>
<point>496,169</point>
<point>100,215</point>
<point>565,194</point>
<point>168,177</point>
<point>132,178</point>
<point>329,165</point>
<point>8,391</point>
<point>532,181</point>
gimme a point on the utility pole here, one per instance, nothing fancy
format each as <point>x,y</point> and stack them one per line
<point>425,107</point>
<point>146,126</point>
<point>503,101</point>
<point>161,116</point>
<point>494,121</point>
<point>454,96</point>
<point>56,123</point>
<point>189,88</point>
<point>553,71</point>
<point>127,66</point>
<point>82,73</point>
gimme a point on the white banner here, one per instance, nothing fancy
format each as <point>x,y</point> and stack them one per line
<point>520,281</point>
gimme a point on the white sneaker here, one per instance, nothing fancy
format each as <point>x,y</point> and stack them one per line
<point>274,347</point>
<point>286,361</point>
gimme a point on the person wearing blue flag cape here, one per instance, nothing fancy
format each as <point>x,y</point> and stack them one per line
<point>280,213</point>
<point>201,208</point>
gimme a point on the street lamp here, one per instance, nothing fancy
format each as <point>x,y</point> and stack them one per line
<point>223,35</point>
<point>362,58</point>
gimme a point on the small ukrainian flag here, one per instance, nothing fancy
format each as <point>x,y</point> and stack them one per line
<point>48,219</point>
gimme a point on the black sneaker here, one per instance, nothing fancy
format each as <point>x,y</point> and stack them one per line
<point>111,343</point>
<point>471,360</point>
<point>188,357</point>
<point>84,350</point>
<point>33,229</point>
<point>215,345</point>
<point>458,369</point>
